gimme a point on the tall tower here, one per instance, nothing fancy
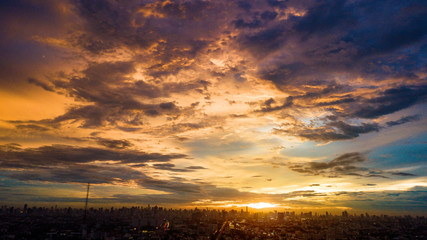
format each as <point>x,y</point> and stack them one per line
<point>84,225</point>
<point>87,199</point>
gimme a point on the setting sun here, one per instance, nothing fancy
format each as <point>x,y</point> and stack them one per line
<point>262,205</point>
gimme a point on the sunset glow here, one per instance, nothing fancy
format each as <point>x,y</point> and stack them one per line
<point>299,104</point>
<point>261,205</point>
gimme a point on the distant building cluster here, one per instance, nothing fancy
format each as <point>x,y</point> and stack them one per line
<point>202,224</point>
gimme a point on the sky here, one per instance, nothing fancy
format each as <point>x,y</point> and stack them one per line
<point>307,105</point>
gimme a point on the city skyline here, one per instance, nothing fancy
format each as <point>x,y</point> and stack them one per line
<point>309,105</point>
<point>161,223</point>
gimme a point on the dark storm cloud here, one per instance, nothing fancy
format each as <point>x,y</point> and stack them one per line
<point>170,167</point>
<point>94,116</point>
<point>300,51</point>
<point>403,120</point>
<point>406,26</point>
<point>414,199</point>
<point>311,98</point>
<point>93,44</point>
<point>331,131</point>
<point>180,30</point>
<point>110,174</point>
<point>66,164</point>
<point>263,42</point>
<point>354,29</point>
<point>402,174</point>
<point>183,28</point>
<point>326,16</point>
<point>343,100</point>
<point>277,3</point>
<point>343,160</point>
<point>270,105</point>
<point>268,15</point>
<point>114,99</point>
<point>41,84</point>
<point>335,37</point>
<point>10,147</point>
<point>254,23</point>
<point>346,107</point>
<point>344,165</point>
<point>181,188</point>
<point>98,83</point>
<point>347,131</point>
<point>245,5</point>
<point>115,144</point>
<point>64,155</point>
<point>77,174</point>
<point>390,101</point>
<point>105,19</point>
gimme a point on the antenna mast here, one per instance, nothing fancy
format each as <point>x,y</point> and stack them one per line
<point>87,199</point>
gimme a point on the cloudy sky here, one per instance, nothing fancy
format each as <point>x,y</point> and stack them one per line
<point>316,105</point>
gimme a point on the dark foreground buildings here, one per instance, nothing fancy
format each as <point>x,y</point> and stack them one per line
<point>162,223</point>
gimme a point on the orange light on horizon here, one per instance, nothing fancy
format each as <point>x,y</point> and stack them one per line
<point>259,205</point>
<point>262,205</point>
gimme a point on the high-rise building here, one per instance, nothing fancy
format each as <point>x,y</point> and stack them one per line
<point>280,216</point>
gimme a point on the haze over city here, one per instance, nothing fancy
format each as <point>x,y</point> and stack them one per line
<point>268,104</point>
